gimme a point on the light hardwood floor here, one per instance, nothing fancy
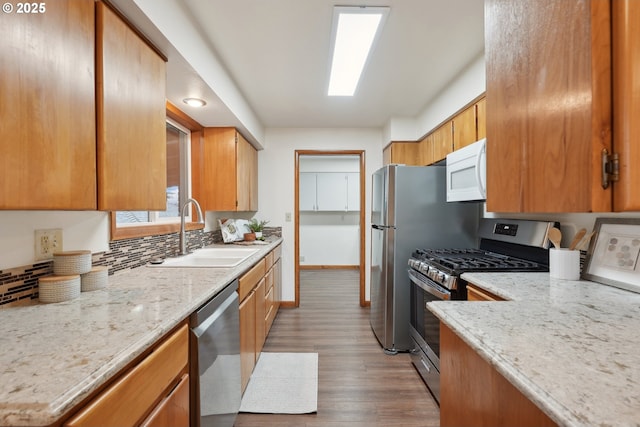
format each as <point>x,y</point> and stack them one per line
<point>358,385</point>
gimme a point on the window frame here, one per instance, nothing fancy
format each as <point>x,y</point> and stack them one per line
<point>159,228</point>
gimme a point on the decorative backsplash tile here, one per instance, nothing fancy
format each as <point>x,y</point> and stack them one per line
<point>19,285</point>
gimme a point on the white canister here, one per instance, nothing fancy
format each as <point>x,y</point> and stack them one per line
<point>564,264</point>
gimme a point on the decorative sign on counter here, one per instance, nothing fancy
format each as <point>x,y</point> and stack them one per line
<point>613,257</point>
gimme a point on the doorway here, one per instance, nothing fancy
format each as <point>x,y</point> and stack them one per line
<point>360,200</point>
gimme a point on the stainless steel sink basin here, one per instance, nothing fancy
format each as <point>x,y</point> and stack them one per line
<point>210,257</point>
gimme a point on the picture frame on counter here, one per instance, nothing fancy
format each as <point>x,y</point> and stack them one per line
<point>614,254</point>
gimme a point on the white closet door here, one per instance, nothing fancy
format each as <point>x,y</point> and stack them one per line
<point>353,191</point>
<point>332,191</point>
<point>307,191</point>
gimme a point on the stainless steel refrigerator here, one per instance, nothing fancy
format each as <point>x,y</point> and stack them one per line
<point>409,211</point>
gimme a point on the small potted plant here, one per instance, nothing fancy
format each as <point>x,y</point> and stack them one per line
<point>257,227</point>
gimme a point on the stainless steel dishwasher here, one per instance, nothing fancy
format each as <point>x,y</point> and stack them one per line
<point>215,360</point>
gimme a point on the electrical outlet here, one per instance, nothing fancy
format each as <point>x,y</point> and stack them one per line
<point>47,242</point>
<point>301,258</point>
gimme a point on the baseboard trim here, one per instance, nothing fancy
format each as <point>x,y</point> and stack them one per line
<point>287,304</point>
<point>329,267</point>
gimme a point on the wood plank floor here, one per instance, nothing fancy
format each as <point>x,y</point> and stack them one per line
<point>358,385</point>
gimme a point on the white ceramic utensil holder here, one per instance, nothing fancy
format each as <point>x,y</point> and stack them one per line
<point>564,264</point>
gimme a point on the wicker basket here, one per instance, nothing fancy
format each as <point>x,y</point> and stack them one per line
<point>73,262</point>
<point>58,288</point>
<point>96,279</point>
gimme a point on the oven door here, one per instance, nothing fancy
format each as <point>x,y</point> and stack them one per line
<point>425,329</point>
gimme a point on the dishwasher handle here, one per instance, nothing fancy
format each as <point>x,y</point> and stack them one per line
<point>202,319</point>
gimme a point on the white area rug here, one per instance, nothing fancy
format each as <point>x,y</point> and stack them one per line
<point>283,383</point>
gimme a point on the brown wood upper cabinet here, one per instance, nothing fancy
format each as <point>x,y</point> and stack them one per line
<point>405,153</point>
<point>224,171</point>
<point>626,102</point>
<point>443,141</point>
<point>426,150</point>
<point>47,100</point>
<point>469,125</point>
<point>75,72</point>
<point>481,118</point>
<point>464,128</point>
<point>549,104</point>
<point>131,146</point>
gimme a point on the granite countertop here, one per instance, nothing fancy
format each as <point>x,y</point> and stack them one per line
<point>571,347</point>
<point>55,355</point>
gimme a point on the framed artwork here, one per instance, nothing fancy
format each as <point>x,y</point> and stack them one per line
<point>614,254</point>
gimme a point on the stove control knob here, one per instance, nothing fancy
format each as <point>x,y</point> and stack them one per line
<point>444,279</point>
<point>424,268</point>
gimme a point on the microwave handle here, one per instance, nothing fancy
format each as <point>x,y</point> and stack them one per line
<point>481,153</point>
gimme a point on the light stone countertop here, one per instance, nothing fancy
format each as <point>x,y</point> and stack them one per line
<point>52,356</point>
<point>571,347</point>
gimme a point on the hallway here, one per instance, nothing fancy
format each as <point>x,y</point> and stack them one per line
<point>358,385</point>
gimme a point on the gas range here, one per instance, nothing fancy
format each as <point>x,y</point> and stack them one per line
<point>434,275</point>
<point>444,266</point>
<point>505,245</point>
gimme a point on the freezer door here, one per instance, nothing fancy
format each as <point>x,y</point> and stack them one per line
<point>381,314</point>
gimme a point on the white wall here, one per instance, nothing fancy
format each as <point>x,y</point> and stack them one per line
<point>80,230</point>
<point>276,173</point>
<point>463,88</point>
<point>330,238</point>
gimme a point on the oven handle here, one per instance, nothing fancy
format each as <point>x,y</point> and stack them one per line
<point>428,287</point>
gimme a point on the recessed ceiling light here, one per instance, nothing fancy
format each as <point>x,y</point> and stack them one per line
<point>354,31</point>
<point>194,102</point>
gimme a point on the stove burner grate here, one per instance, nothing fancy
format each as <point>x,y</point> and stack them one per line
<point>461,260</point>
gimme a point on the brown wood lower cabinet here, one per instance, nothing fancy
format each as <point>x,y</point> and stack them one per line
<point>475,293</point>
<point>173,411</point>
<point>149,387</point>
<point>247,337</point>
<point>473,393</point>
<point>259,291</point>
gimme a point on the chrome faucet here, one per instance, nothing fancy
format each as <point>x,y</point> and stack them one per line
<point>183,244</point>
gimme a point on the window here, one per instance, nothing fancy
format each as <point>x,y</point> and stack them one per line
<point>127,224</point>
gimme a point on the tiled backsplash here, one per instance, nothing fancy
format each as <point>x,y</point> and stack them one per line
<point>19,286</point>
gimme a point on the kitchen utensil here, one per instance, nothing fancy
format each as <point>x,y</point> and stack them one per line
<point>577,238</point>
<point>584,243</point>
<point>555,236</point>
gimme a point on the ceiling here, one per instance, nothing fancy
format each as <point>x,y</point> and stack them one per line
<point>276,53</point>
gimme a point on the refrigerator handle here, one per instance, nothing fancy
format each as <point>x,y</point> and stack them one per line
<point>382,227</point>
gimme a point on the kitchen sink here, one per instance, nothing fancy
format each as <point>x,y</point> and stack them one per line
<point>210,257</point>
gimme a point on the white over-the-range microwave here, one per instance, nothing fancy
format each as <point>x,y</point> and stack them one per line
<point>467,173</point>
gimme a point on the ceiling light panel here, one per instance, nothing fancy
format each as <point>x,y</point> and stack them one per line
<point>353,35</point>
